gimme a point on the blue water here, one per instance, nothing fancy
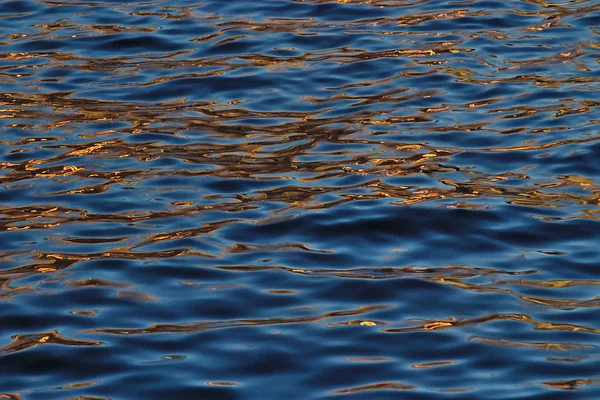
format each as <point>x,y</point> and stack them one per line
<point>286,199</point>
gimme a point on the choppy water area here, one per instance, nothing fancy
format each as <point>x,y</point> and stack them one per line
<point>299,199</point>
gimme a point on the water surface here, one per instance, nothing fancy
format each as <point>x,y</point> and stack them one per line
<point>285,199</point>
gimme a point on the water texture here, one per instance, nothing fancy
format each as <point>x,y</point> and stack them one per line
<point>299,199</point>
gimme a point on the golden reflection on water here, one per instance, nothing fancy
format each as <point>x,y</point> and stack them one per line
<point>24,342</point>
<point>78,138</point>
<point>376,386</point>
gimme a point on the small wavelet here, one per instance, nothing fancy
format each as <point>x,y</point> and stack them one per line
<point>299,199</point>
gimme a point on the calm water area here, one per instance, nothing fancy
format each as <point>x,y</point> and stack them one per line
<point>299,199</point>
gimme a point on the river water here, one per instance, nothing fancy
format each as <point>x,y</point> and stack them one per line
<point>299,199</point>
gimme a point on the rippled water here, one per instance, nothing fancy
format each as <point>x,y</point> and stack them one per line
<point>287,199</point>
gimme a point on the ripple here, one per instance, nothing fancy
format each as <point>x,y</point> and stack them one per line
<point>299,199</point>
